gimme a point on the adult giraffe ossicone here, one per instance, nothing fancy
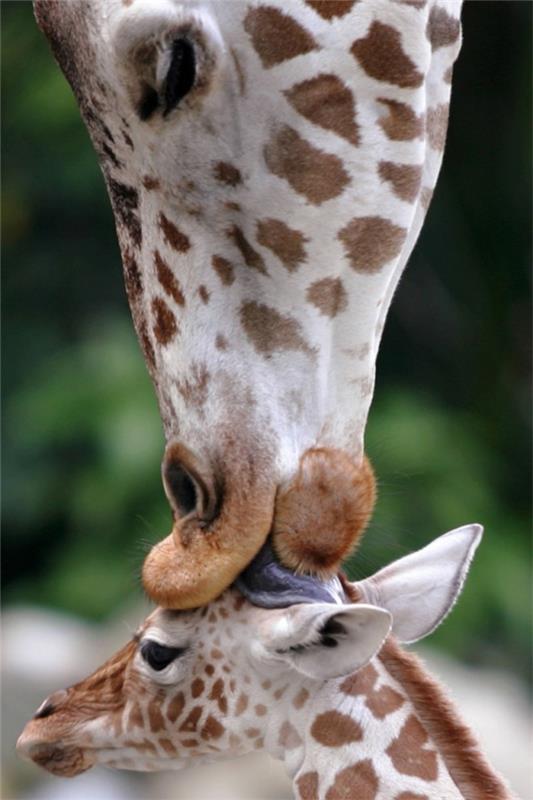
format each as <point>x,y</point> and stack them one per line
<point>269,166</point>
<point>352,715</point>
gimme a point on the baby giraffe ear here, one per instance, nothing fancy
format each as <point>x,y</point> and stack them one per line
<point>325,641</point>
<point>421,589</point>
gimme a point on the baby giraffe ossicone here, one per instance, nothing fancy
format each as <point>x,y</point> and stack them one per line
<point>321,684</point>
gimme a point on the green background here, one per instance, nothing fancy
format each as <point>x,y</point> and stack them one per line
<point>449,429</point>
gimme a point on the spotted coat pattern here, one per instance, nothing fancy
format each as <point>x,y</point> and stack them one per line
<point>355,737</point>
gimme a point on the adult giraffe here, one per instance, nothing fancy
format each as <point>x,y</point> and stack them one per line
<point>269,166</point>
<point>315,684</point>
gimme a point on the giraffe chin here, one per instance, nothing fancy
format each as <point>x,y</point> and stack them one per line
<point>179,577</point>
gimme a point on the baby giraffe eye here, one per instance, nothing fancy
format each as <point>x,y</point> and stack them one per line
<point>158,656</point>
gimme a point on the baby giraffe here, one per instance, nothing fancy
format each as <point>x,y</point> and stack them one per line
<point>322,685</point>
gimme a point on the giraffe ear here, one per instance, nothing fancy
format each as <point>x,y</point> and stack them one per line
<point>422,588</point>
<point>324,641</point>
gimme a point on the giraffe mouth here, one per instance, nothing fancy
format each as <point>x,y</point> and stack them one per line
<point>59,760</point>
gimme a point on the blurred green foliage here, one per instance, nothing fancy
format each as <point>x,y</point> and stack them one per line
<point>448,432</point>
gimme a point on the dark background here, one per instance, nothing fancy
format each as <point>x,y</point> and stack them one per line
<point>449,429</point>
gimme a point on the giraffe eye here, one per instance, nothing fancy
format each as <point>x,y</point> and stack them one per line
<point>158,656</point>
<point>180,75</point>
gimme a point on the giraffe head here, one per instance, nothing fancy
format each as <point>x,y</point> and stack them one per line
<point>219,681</point>
<point>266,166</point>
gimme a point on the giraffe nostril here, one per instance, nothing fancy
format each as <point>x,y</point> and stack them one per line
<point>49,705</point>
<point>182,487</point>
<point>188,484</point>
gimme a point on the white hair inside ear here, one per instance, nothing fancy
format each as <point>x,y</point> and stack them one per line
<point>420,589</point>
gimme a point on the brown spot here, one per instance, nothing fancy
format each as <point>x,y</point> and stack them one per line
<point>331,8</point>
<point>209,668</point>
<point>125,201</point>
<point>407,751</point>
<point>275,36</point>
<point>260,710</point>
<point>190,722</point>
<point>252,733</point>
<point>316,175</point>
<point>224,270</point>
<point>195,388</point>
<point>155,718</point>
<point>442,29</point>
<point>301,698</point>
<point>405,179</point>
<point>359,780</point>
<point>448,75</point>
<point>252,258</point>
<point>145,746</point>
<point>212,617</point>
<point>227,173</point>
<point>289,737</point>
<point>147,346</point>
<point>150,183</point>
<point>381,55</point>
<point>203,294</point>
<point>224,614</point>
<point>175,707</point>
<point>165,325</point>
<point>190,743</point>
<point>216,653</point>
<point>221,343</point>
<point>286,243</point>
<point>328,102</point>
<point>173,236</point>
<point>329,296</point>
<point>167,746</point>
<point>333,729</point>
<point>371,242</point>
<point>242,704</point>
<point>307,784</point>
<point>266,684</point>
<point>167,279</point>
<point>381,701</point>
<point>401,123</point>
<point>136,717</point>
<point>437,125</point>
<point>132,276</point>
<point>212,729</point>
<point>197,687</point>
<point>270,332</point>
<point>217,693</point>
<point>280,692</point>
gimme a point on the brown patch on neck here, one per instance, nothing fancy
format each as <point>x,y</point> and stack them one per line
<point>331,8</point>
<point>270,332</point>
<point>276,37</point>
<point>286,243</point>
<point>402,123</point>
<point>458,747</point>
<point>172,235</point>
<point>328,102</point>
<point>316,175</point>
<point>381,55</point>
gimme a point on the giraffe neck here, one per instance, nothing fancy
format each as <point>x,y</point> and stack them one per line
<point>386,731</point>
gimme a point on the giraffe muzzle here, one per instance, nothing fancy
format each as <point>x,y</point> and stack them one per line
<point>56,757</point>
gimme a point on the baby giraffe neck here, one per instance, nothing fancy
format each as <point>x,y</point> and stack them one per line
<point>385,731</point>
